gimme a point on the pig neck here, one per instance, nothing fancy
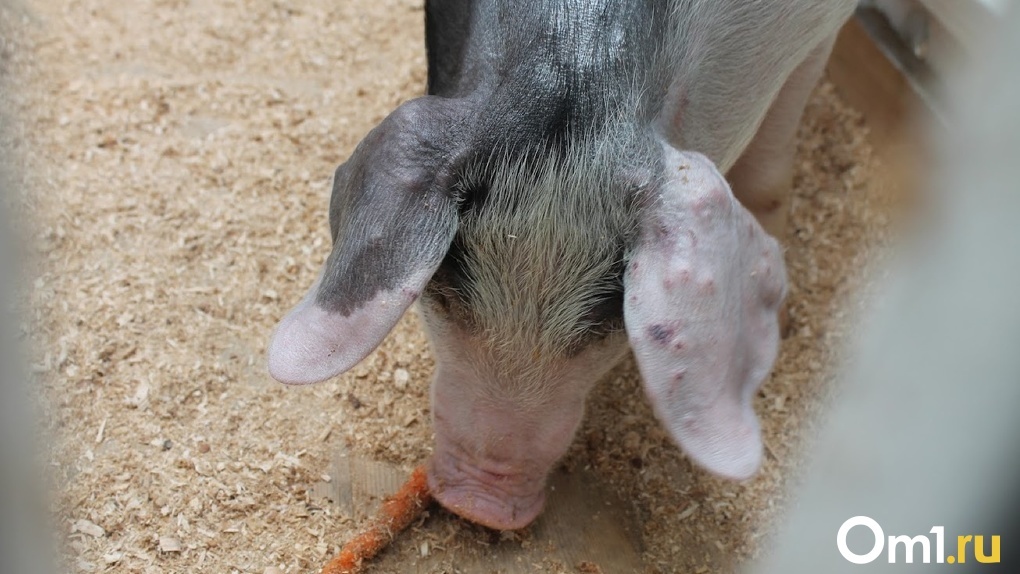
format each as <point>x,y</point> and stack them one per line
<point>698,74</point>
<point>540,71</point>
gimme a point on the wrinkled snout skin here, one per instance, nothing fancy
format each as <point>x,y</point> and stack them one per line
<point>498,435</point>
<point>583,177</point>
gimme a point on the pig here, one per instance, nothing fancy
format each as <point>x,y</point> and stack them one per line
<point>558,194</point>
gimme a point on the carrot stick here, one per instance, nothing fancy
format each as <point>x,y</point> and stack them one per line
<point>396,514</point>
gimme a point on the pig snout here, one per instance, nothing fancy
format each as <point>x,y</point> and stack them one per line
<point>492,454</point>
<point>495,447</point>
<point>502,424</point>
<point>503,501</point>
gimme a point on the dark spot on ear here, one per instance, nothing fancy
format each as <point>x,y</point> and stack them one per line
<point>694,238</point>
<point>679,377</point>
<point>631,270</point>
<point>661,232</point>
<point>660,333</point>
<point>679,346</point>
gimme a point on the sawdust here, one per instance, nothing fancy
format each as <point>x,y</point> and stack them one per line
<point>176,159</point>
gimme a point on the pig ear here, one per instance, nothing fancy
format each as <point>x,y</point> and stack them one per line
<point>702,293</point>
<point>392,217</point>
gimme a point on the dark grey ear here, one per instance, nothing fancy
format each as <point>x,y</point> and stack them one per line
<point>392,216</point>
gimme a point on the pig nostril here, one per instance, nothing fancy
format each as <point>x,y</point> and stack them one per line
<point>494,476</point>
<point>501,496</point>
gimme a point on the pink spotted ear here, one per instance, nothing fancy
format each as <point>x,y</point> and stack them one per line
<point>702,293</point>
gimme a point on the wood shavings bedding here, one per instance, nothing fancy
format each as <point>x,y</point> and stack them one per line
<point>176,162</point>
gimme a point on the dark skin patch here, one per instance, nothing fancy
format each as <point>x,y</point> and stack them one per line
<point>662,232</point>
<point>660,333</point>
<point>390,214</point>
<point>666,335</point>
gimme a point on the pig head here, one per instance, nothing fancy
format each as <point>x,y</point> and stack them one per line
<point>532,285</point>
<point>542,207</point>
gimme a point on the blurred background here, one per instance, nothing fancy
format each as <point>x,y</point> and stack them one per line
<point>924,433</point>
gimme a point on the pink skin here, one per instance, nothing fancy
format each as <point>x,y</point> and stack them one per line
<point>703,291</point>
<point>497,438</point>
<point>312,344</point>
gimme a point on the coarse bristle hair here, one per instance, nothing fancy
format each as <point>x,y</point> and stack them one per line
<point>542,241</point>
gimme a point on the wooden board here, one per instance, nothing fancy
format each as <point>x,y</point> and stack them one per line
<point>584,527</point>
<point>901,112</point>
<point>869,82</point>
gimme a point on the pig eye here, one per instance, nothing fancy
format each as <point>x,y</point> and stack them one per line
<point>441,300</point>
<point>606,316</point>
<point>443,297</point>
<point>472,197</point>
<point>436,298</point>
<point>602,319</point>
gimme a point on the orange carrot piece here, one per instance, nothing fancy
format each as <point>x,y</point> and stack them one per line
<point>396,514</point>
